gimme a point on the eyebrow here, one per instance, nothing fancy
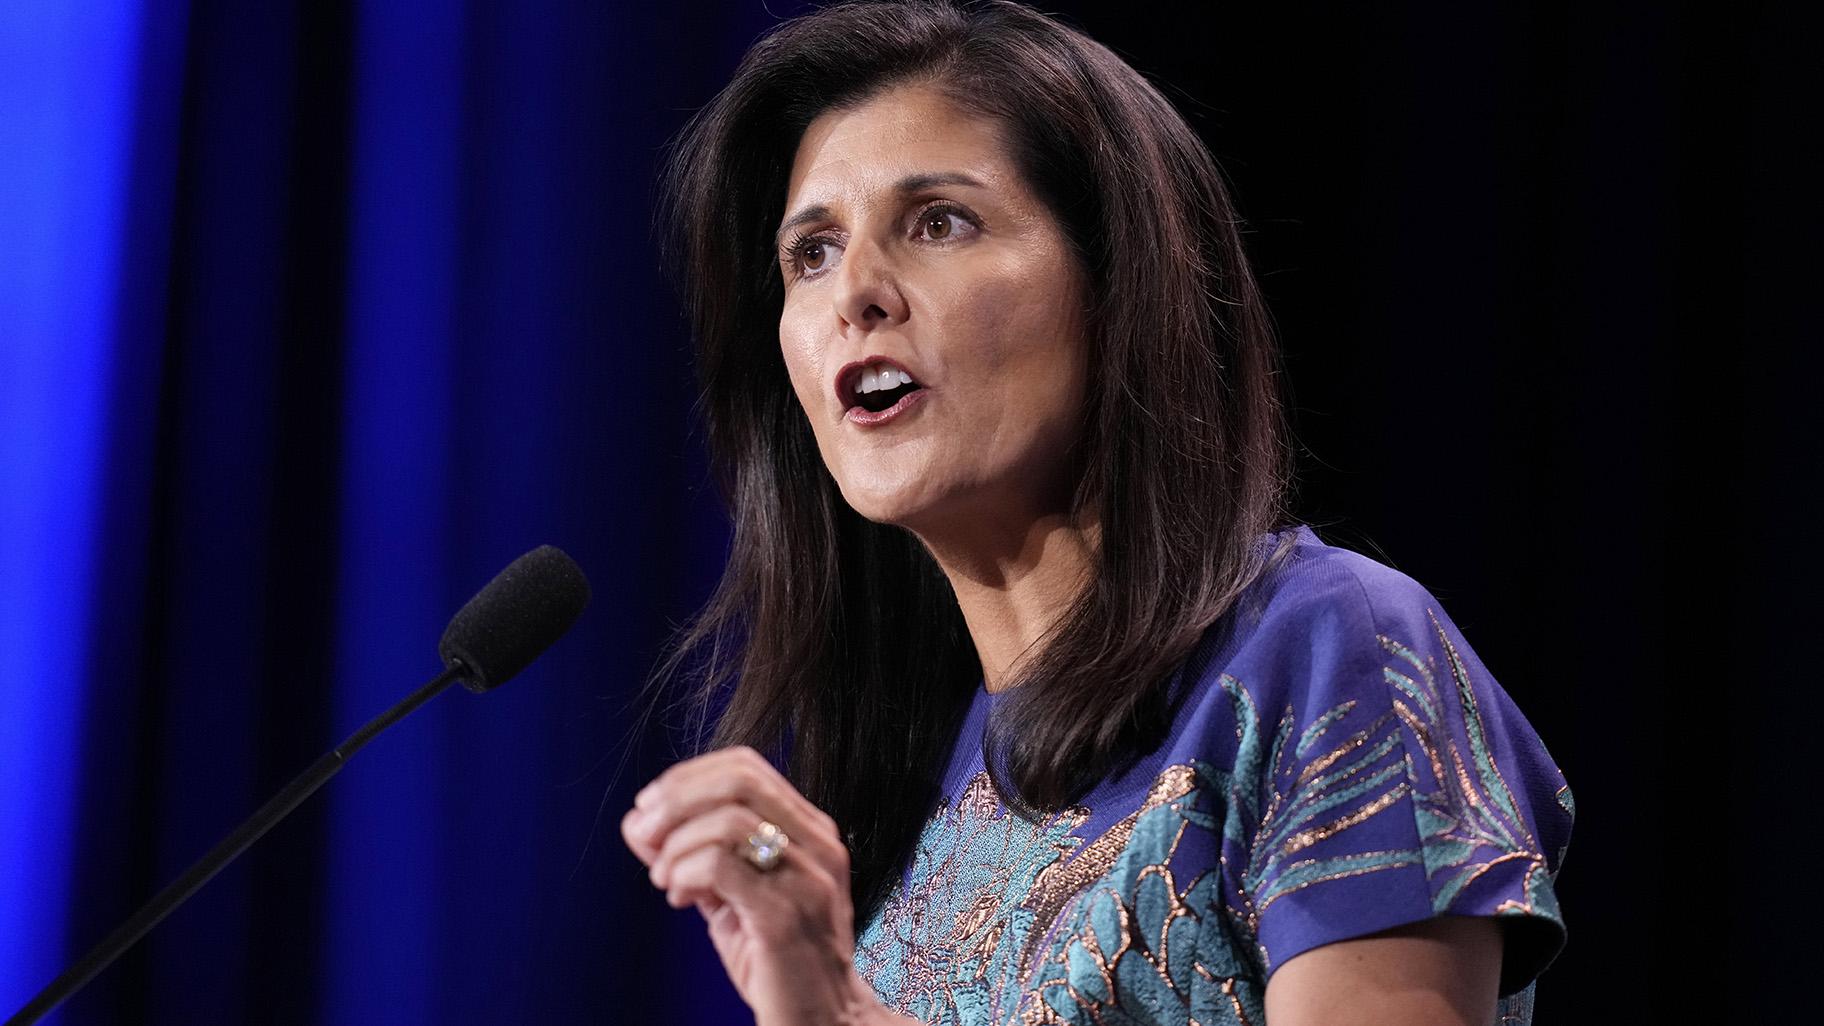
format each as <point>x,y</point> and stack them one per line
<point>906,185</point>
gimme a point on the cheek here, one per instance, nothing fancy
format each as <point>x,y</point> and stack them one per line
<point>1032,346</point>
<point>802,360</point>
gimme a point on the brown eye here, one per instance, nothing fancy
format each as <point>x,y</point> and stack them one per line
<point>937,226</point>
<point>811,256</point>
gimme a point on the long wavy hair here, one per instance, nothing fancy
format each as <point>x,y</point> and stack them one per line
<point>835,644</point>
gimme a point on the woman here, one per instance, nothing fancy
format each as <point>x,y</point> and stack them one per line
<point>1067,729</point>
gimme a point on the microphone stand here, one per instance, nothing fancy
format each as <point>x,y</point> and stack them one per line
<point>252,829</point>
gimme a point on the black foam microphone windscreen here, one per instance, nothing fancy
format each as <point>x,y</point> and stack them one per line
<point>519,614</point>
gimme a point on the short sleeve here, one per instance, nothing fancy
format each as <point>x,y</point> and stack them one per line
<point>1394,781</point>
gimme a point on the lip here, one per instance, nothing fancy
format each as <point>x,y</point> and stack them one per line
<point>860,416</point>
<point>849,377</point>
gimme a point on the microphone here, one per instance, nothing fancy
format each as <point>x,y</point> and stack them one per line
<point>495,635</point>
<point>518,615</point>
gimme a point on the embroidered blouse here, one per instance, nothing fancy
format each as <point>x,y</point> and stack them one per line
<point>1341,764</point>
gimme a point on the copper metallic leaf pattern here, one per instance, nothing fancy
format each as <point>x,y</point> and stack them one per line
<point>1156,919</point>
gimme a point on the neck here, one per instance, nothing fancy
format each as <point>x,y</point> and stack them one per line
<point>1014,581</point>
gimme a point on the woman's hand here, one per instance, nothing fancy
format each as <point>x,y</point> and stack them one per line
<point>785,935</point>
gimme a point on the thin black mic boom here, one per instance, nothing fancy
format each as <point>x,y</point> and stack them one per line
<point>496,634</point>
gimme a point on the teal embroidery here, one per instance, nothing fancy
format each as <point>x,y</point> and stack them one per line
<point>942,945</point>
<point>1468,817</point>
<point>1349,784</point>
<point>1144,953</point>
<point>1156,920</point>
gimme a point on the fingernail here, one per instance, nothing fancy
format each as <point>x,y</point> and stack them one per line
<point>644,798</point>
<point>636,821</point>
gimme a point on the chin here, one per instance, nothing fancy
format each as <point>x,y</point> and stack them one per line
<point>897,505</point>
<point>881,510</point>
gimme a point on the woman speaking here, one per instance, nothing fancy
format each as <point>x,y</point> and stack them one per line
<point>1032,709</point>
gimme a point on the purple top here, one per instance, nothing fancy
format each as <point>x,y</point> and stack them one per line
<point>1341,764</point>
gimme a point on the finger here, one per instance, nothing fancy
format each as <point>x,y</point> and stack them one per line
<point>710,909</point>
<point>635,841</point>
<point>792,901</point>
<point>728,826</point>
<point>726,774</point>
<point>735,776</point>
<point>648,830</point>
<point>634,834</point>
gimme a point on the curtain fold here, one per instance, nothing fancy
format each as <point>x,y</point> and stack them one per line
<point>313,316</point>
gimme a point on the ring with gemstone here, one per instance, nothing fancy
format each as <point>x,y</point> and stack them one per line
<point>765,846</point>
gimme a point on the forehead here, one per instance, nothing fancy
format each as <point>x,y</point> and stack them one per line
<point>907,130</point>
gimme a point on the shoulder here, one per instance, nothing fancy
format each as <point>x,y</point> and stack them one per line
<point>1319,621</point>
<point>1326,587</point>
<point>1376,773</point>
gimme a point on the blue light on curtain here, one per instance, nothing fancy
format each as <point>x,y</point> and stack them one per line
<point>311,317</point>
<point>67,104</point>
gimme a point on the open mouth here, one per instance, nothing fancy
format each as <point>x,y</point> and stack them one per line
<point>876,386</point>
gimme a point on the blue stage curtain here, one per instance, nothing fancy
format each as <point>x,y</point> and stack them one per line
<point>312,316</point>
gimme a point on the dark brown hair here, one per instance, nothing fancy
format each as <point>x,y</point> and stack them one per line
<point>836,642</point>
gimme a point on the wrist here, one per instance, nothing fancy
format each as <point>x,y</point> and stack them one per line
<point>863,1008</point>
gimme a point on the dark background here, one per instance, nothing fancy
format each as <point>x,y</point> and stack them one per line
<point>387,312</point>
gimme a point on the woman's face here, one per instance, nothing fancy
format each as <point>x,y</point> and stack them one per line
<point>911,249</point>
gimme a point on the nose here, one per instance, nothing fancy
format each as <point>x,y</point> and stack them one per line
<point>867,293</point>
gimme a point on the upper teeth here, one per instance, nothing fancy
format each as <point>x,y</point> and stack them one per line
<point>881,376</point>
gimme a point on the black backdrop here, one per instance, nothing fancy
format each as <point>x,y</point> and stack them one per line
<point>1542,273</point>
